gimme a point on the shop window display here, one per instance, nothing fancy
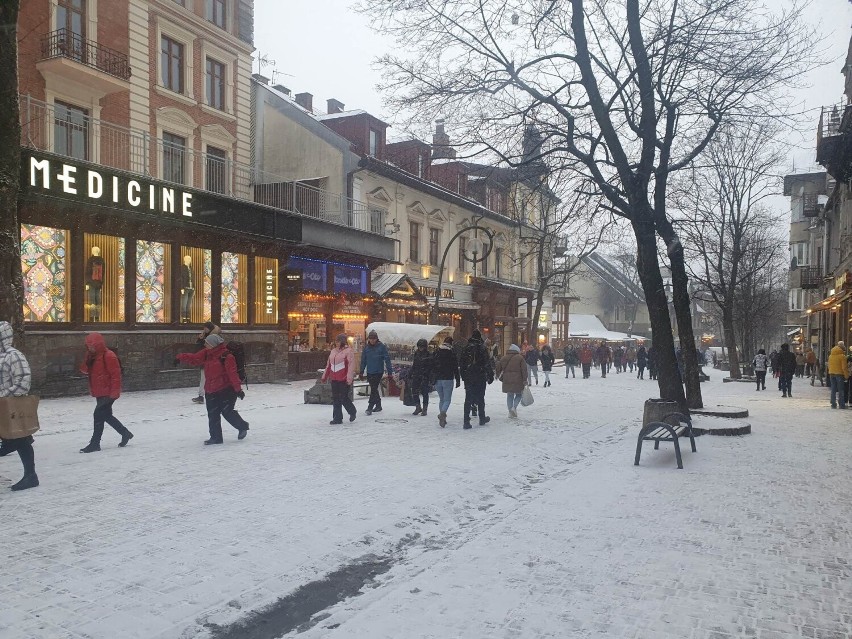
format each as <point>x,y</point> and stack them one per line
<point>153,277</point>
<point>196,284</point>
<point>103,278</point>
<point>266,290</point>
<point>234,288</point>
<point>45,268</point>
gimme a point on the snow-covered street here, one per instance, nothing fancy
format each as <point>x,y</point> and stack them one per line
<point>391,527</point>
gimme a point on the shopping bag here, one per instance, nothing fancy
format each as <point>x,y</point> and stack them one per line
<point>18,416</point>
<point>408,398</point>
<point>527,397</point>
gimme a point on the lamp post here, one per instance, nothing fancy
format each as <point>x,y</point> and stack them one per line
<point>480,248</point>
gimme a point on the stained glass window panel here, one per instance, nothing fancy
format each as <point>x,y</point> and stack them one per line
<point>234,288</point>
<point>45,268</point>
<point>153,274</point>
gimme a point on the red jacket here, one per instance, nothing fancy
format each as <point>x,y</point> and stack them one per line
<point>102,367</point>
<point>586,355</point>
<point>343,360</point>
<point>218,375</point>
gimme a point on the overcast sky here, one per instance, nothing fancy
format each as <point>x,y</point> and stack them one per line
<point>324,48</point>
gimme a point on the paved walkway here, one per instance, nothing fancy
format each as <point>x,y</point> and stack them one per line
<point>535,528</point>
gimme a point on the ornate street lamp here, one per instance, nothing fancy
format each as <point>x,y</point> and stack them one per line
<point>479,249</point>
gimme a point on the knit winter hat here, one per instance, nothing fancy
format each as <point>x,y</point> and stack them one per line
<point>514,348</point>
<point>372,334</point>
<point>213,340</point>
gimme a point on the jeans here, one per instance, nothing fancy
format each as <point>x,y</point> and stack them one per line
<point>186,303</point>
<point>569,368</point>
<point>837,391</point>
<point>761,379</point>
<point>445,393</point>
<point>102,414</point>
<point>533,370</point>
<point>219,405</point>
<point>513,400</point>
<point>785,382</point>
<point>340,400</point>
<point>474,394</point>
<point>375,401</point>
<point>546,377</point>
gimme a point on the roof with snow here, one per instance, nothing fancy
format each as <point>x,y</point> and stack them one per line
<point>591,327</point>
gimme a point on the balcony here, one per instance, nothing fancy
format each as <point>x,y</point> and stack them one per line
<point>46,127</point>
<point>834,141</point>
<point>68,57</point>
<point>810,205</point>
<point>810,277</point>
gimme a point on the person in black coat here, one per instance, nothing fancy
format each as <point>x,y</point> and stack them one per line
<point>476,371</point>
<point>547,361</point>
<point>420,376</point>
<point>641,362</point>
<point>786,363</point>
<point>445,370</point>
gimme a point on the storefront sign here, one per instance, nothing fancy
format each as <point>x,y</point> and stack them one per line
<point>313,273</point>
<point>310,307</point>
<point>350,308</point>
<point>269,290</point>
<point>844,282</point>
<point>348,279</point>
<point>431,291</point>
<point>101,187</point>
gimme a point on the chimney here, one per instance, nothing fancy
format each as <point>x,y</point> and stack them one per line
<point>282,89</point>
<point>441,143</point>
<point>260,78</point>
<point>306,101</point>
<point>335,106</point>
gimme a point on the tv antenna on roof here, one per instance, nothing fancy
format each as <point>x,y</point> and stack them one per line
<point>278,74</point>
<point>264,60</point>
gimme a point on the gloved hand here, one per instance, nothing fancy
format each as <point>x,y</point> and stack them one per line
<point>241,395</point>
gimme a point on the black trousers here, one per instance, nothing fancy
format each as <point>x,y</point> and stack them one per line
<point>421,390</point>
<point>340,400</point>
<point>24,448</point>
<point>641,373</point>
<point>219,405</point>
<point>761,379</point>
<point>103,414</point>
<point>474,395</point>
<point>375,401</point>
<point>587,371</point>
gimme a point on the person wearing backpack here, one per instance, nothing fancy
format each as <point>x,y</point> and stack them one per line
<point>209,328</point>
<point>103,369</point>
<point>476,371</point>
<point>222,386</point>
<point>512,372</point>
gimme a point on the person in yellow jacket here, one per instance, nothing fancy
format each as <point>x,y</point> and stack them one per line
<point>838,371</point>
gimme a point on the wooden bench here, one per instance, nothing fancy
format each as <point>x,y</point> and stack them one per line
<point>664,432</point>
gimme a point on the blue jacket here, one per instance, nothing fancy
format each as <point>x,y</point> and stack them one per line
<point>375,358</point>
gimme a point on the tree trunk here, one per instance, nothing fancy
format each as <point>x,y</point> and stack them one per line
<point>662,337</point>
<point>11,284</point>
<point>731,344</point>
<point>539,302</point>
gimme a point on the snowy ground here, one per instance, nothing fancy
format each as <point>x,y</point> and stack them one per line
<point>391,527</point>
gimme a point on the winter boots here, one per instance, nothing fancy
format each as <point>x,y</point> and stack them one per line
<point>467,425</point>
<point>417,411</point>
<point>442,419</point>
<point>91,448</point>
<point>483,420</point>
<point>30,480</point>
<point>126,436</point>
<point>198,400</point>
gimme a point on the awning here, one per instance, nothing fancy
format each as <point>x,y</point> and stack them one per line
<point>408,334</point>
<point>795,331</point>
<point>399,286</point>
<point>453,305</point>
<point>830,302</point>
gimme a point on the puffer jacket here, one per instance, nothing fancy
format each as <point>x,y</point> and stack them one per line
<point>512,371</point>
<point>837,362</point>
<point>341,365</point>
<point>375,359</point>
<point>586,355</point>
<point>547,360</point>
<point>532,356</point>
<point>421,368</point>
<point>102,367</point>
<point>475,363</point>
<point>220,368</point>
<point>445,365</point>
<point>760,362</point>
<point>15,374</point>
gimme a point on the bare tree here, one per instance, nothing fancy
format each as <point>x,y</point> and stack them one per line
<point>11,284</point>
<point>626,92</point>
<point>731,236</point>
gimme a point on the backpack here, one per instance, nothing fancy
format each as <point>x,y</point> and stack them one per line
<point>477,361</point>
<point>239,352</point>
<point>120,364</point>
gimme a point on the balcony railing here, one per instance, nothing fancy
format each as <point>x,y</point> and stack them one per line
<point>810,277</point>
<point>830,120</point>
<point>74,134</point>
<point>810,205</point>
<point>67,44</point>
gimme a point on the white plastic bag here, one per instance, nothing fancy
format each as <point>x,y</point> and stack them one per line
<point>527,397</point>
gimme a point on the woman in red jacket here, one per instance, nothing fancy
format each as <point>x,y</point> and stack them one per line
<point>221,386</point>
<point>104,371</point>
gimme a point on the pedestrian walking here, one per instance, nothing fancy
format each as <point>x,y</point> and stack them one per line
<point>102,367</point>
<point>476,372</point>
<point>445,372</point>
<point>800,364</point>
<point>15,381</point>
<point>838,373</point>
<point>641,362</point>
<point>421,374</point>
<point>587,356</point>
<point>760,363</point>
<point>222,386</point>
<point>547,361</point>
<point>618,359</point>
<point>532,357</point>
<point>810,364</point>
<point>209,329</point>
<point>340,369</point>
<point>786,369</point>
<point>603,355</point>
<point>513,374</point>
<point>375,360</point>
<point>571,359</point>
<point>630,357</point>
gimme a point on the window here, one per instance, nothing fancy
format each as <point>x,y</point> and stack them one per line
<point>434,246</point>
<point>498,263</point>
<point>215,12</point>
<point>265,290</point>
<point>172,64</point>
<point>195,283</point>
<point>374,142</point>
<point>174,157</point>
<point>215,84</point>
<point>234,288</point>
<point>462,250</point>
<point>71,131</point>
<point>180,2</point>
<point>801,252</point>
<point>46,269</point>
<point>153,282</point>
<point>797,299</point>
<point>414,241</point>
<point>103,277</point>
<point>71,19</point>
<point>216,176</point>
<point>377,221</point>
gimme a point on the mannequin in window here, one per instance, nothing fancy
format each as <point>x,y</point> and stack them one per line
<point>94,283</point>
<point>187,289</point>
